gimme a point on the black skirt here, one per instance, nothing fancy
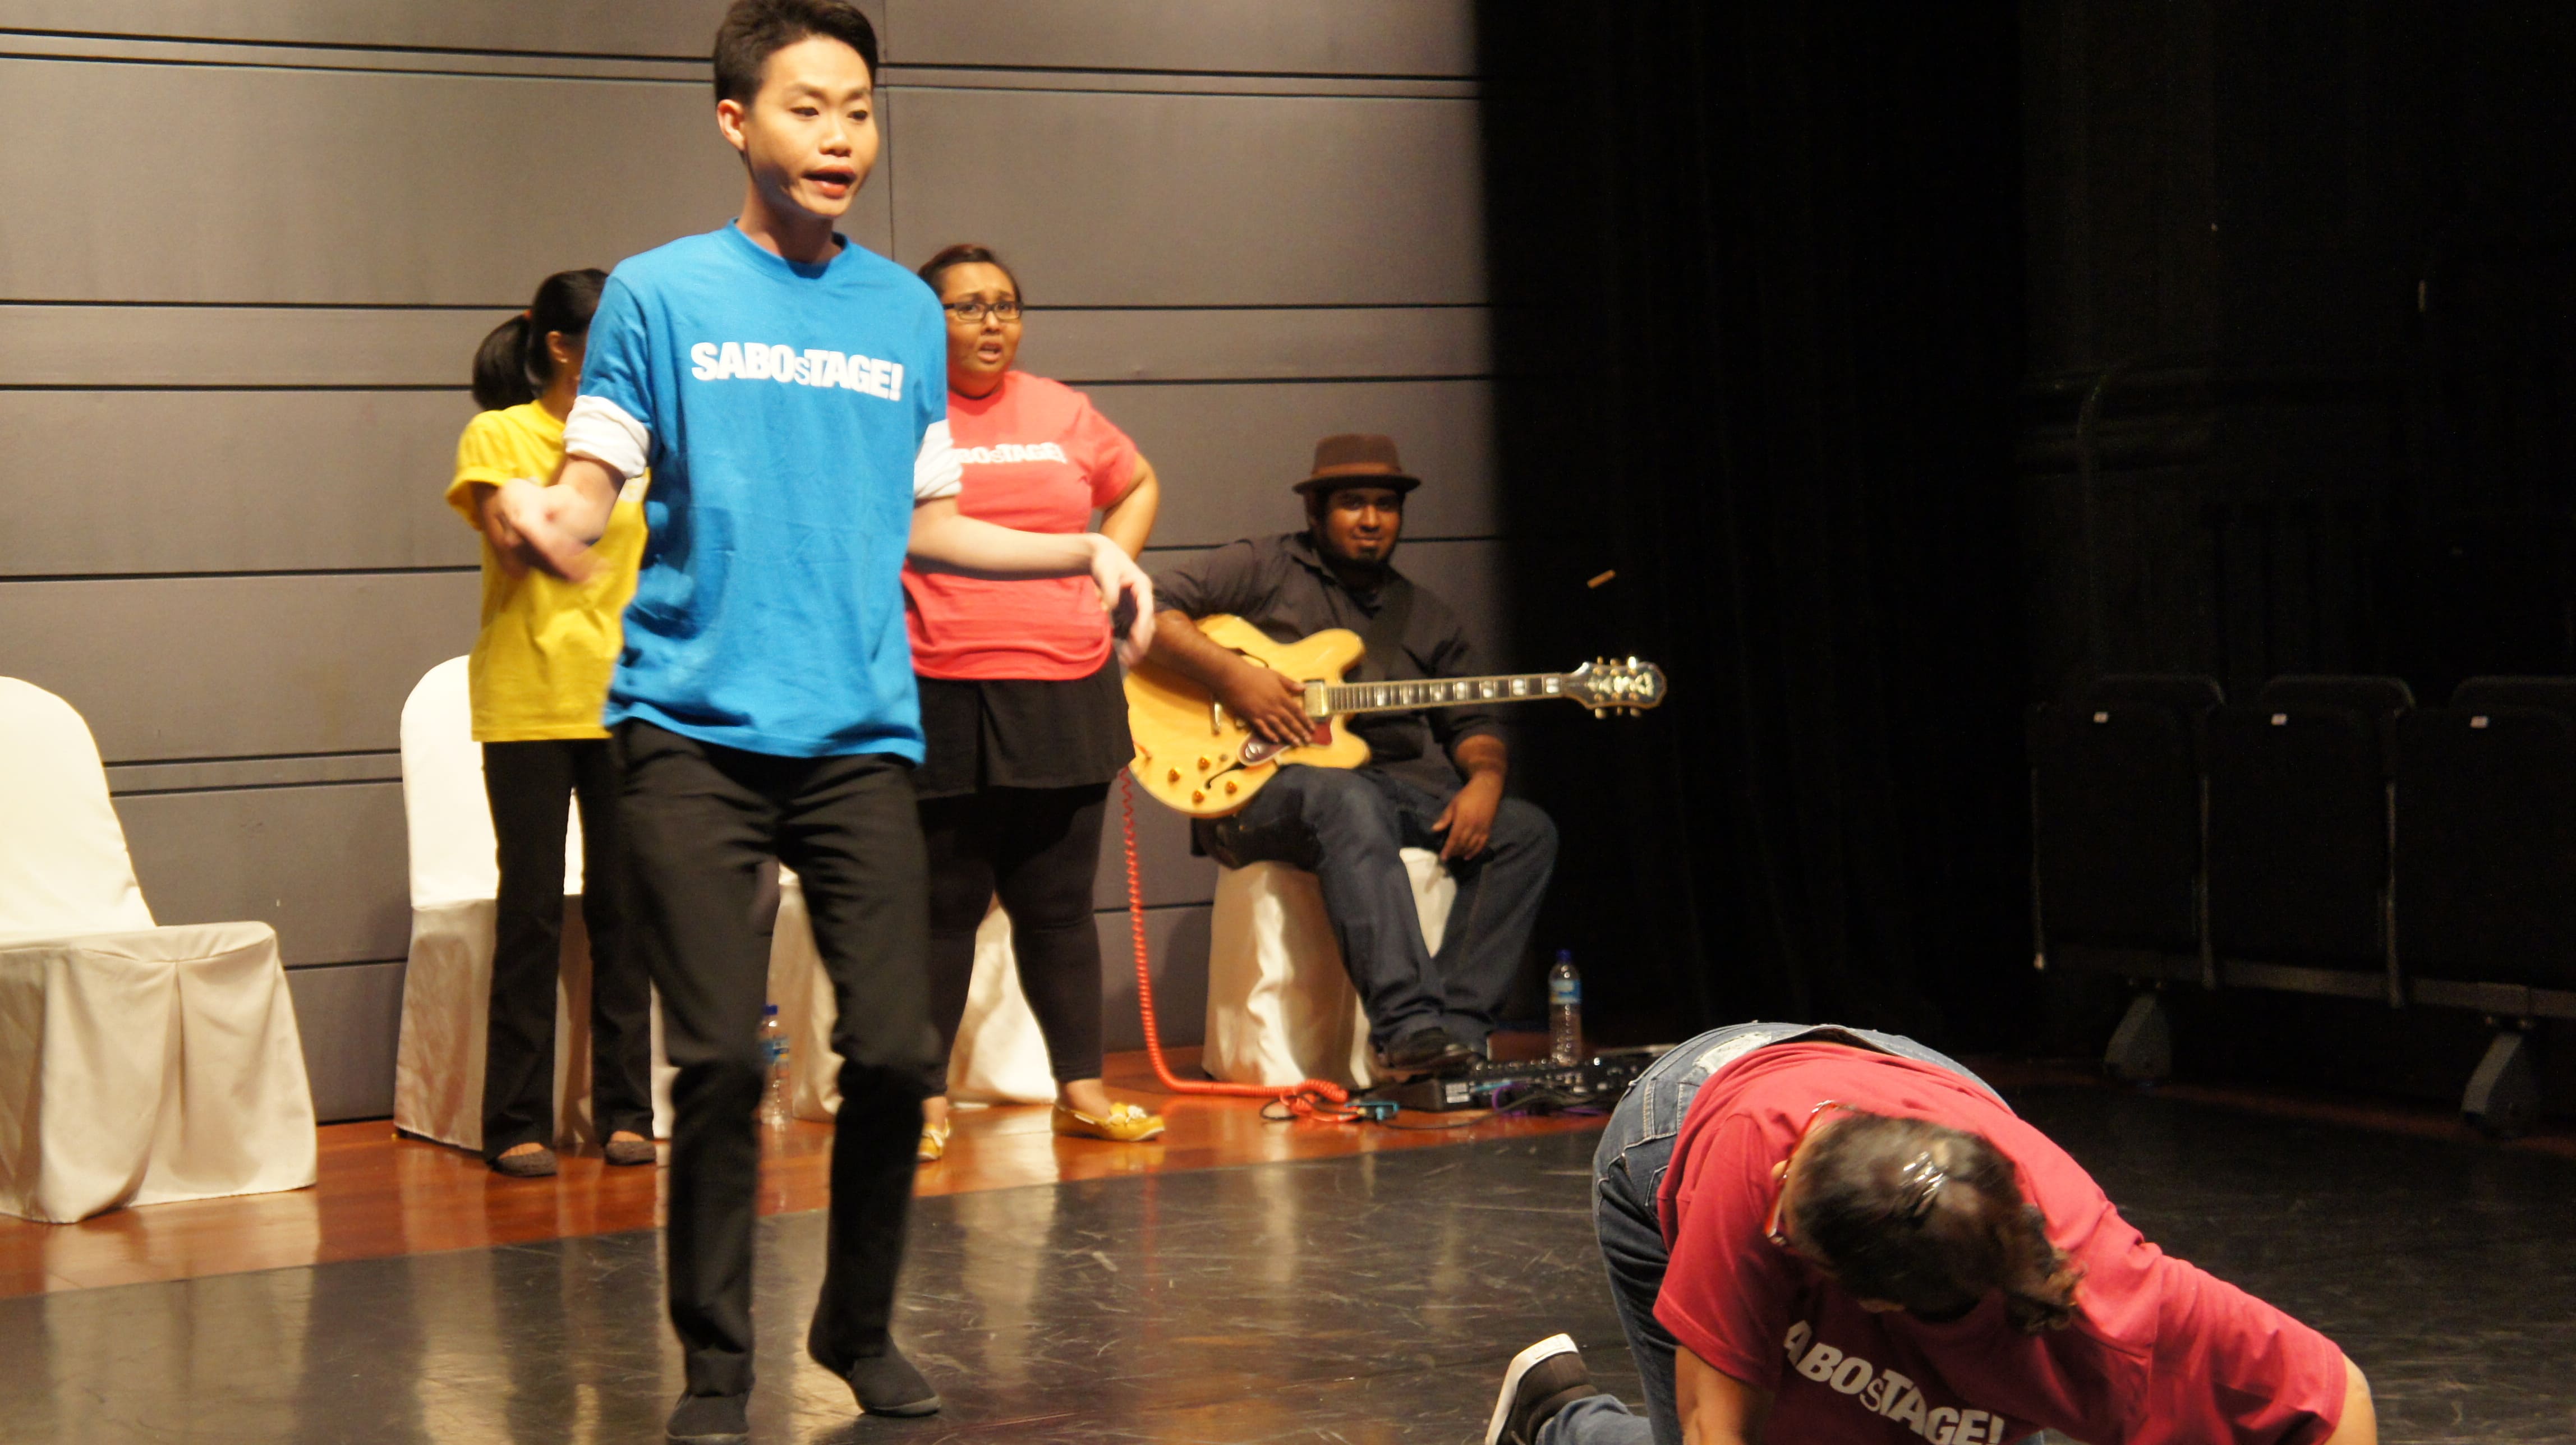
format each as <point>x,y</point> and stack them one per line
<point>1022,733</point>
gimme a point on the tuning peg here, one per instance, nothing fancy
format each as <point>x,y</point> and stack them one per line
<point>1601,712</point>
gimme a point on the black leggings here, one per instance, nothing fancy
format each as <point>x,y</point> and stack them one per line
<point>529,785</point>
<point>1038,849</point>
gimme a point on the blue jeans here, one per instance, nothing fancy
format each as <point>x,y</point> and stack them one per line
<point>1345,827</point>
<point>1627,1173</point>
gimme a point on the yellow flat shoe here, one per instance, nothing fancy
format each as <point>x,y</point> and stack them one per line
<point>934,1142</point>
<point>1126,1124</point>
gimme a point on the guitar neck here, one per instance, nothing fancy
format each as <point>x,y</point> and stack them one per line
<point>1342,698</point>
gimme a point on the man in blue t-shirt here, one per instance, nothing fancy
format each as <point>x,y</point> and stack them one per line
<point>787,391</point>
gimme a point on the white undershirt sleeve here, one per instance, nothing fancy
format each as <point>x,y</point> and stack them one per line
<point>601,430</point>
<point>936,471</point>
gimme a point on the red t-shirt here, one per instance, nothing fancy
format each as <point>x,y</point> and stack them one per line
<point>1039,459</point>
<point>2159,1351</point>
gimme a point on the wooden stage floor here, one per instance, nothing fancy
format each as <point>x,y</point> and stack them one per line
<point>381,1195</point>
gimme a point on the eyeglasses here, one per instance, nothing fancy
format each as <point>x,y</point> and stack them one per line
<point>1780,1183</point>
<point>974,312</point>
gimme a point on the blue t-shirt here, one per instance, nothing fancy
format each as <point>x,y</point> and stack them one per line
<point>786,405</point>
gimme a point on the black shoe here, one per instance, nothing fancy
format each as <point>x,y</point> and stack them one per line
<point>537,1163</point>
<point>885,1384</point>
<point>1543,1379</point>
<point>1431,1051</point>
<point>629,1152</point>
<point>710,1420</point>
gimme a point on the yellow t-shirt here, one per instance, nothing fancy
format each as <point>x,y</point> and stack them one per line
<point>541,664</point>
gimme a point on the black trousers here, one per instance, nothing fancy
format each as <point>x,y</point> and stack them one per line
<point>1038,848</point>
<point>530,785</point>
<point>701,821</point>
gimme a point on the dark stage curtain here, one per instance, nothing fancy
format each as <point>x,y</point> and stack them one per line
<point>1758,294</point>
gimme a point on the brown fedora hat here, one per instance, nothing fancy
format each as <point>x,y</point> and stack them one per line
<point>1357,459</point>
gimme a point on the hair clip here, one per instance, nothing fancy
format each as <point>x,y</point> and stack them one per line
<point>1919,1182</point>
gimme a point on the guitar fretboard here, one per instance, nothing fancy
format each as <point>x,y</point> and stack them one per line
<point>1350,697</point>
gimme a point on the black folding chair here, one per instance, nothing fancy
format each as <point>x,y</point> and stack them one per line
<point>2486,873</point>
<point>2116,827</point>
<point>2299,837</point>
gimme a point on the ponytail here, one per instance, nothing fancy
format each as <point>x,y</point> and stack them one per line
<point>501,367</point>
<point>512,367</point>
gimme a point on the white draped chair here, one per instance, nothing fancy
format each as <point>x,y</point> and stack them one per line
<point>438,1073</point>
<point>138,1064</point>
<point>447,985</point>
<point>1000,1057</point>
<point>1280,1006</point>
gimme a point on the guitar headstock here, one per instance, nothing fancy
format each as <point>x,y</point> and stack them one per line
<point>1609,684</point>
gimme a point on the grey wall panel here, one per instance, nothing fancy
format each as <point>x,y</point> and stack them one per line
<point>351,1020</point>
<point>1228,454</point>
<point>1311,37</point>
<point>325,866</point>
<point>300,347</point>
<point>1268,343</point>
<point>194,481</point>
<point>237,666</point>
<point>1163,861</point>
<point>1176,939</point>
<point>238,346</point>
<point>1107,200</point>
<point>295,770</point>
<point>315,186</point>
<point>1469,577</point>
<point>674,28</point>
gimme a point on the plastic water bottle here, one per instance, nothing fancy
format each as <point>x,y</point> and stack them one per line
<point>1564,1011</point>
<point>773,1043</point>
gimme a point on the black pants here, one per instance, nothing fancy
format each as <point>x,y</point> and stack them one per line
<point>1038,848</point>
<point>1346,827</point>
<point>529,784</point>
<point>700,822</point>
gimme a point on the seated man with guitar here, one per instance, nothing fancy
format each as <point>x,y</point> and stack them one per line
<point>1345,824</point>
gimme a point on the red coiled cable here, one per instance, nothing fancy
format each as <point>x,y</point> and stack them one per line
<point>1309,1098</point>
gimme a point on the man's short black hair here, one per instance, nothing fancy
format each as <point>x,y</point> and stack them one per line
<point>755,30</point>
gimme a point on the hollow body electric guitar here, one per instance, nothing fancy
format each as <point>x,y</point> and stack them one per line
<point>1195,756</point>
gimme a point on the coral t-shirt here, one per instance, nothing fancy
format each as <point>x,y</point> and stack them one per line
<point>2159,1351</point>
<point>1038,458</point>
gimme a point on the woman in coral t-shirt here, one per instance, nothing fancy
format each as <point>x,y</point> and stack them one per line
<point>1021,704</point>
<point>1832,1235</point>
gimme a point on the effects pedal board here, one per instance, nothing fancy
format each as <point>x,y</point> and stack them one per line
<point>1597,1082</point>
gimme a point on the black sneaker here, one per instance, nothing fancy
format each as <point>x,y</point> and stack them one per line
<point>710,1420</point>
<point>1431,1051</point>
<point>884,1384</point>
<point>1543,1379</point>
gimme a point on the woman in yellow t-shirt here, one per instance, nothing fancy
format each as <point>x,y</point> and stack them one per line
<point>539,677</point>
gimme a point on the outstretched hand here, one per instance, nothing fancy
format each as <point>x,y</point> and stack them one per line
<point>530,526</point>
<point>1127,595</point>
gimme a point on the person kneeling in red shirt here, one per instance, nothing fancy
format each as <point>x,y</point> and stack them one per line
<point>1829,1234</point>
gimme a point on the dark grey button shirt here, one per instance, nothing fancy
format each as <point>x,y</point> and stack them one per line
<point>1281,586</point>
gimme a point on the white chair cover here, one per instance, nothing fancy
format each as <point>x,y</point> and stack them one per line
<point>447,985</point>
<point>138,1065</point>
<point>1000,1057</point>
<point>1280,1006</point>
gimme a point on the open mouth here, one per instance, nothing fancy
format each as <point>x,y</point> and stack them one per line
<point>988,350</point>
<point>833,180</point>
